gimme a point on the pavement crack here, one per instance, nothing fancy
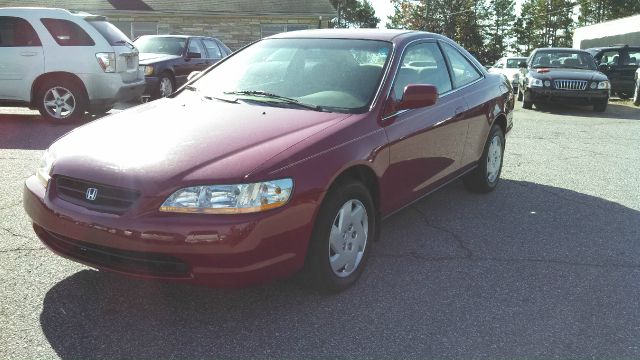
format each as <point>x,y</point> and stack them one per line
<point>22,249</point>
<point>468,254</point>
<point>10,232</point>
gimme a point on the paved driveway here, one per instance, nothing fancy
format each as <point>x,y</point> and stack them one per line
<point>546,266</point>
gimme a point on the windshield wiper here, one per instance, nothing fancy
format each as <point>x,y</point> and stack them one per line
<point>284,99</point>
<point>234,101</point>
<point>125,42</point>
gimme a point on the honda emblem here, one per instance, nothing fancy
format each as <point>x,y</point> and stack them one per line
<point>91,193</point>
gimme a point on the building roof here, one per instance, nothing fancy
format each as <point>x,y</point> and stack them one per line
<point>368,34</point>
<point>195,7</point>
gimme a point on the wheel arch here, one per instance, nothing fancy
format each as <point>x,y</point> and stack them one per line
<point>56,75</point>
<point>501,120</point>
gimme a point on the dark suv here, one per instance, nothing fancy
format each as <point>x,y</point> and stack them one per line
<point>169,59</point>
<point>563,76</point>
<point>619,63</point>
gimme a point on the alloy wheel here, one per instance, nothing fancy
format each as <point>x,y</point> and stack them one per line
<point>59,102</point>
<point>166,87</point>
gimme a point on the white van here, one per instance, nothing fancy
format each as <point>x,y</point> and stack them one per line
<point>65,64</point>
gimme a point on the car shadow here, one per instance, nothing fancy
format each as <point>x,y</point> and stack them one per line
<point>526,270</point>
<point>614,111</point>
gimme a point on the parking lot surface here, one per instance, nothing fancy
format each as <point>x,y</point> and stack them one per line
<point>547,266</point>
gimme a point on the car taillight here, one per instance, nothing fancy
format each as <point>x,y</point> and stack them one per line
<point>107,61</point>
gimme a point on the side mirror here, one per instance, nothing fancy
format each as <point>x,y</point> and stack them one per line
<point>193,55</point>
<point>417,96</point>
<point>193,74</point>
<point>603,67</point>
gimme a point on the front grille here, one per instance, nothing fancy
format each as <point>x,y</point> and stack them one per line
<point>570,84</point>
<point>134,262</point>
<point>109,199</point>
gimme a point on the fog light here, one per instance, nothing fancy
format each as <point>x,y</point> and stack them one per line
<point>547,83</point>
<point>593,85</point>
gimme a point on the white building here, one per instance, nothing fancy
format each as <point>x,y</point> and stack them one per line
<point>619,31</point>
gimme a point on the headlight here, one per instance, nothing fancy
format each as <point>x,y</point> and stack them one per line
<point>535,82</point>
<point>604,85</point>
<point>44,168</point>
<point>230,199</point>
<point>148,70</point>
<point>593,85</point>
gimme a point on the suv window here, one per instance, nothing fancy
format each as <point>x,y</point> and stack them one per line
<point>634,57</point>
<point>422,64</point>
<point>110,32</point>
<point>67,33</point>
<point>610,57</point>
<point>17,32</point>
<point>463,71</point>
<point>212,49</point>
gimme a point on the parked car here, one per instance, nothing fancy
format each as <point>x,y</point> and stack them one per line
<point>169,59</point>
<point>510,68</point>
<point>619,63</point>
<point>64,64</point>
<point>563,76</point>
<point>286,155</point>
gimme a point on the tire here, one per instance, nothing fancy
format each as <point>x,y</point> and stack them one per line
<point>61,100</point>
<point>166,86</point>
<point>636,94</point>
<point>600,106</point>
<point>623,95</point>
<point>526,104</point>
<point>335,241</point>
<point>484,178</point>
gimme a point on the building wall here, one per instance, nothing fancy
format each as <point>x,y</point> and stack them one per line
<point>235,31</point>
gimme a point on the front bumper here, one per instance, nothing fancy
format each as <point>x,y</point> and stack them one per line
<point>152,85</point>
<point>548,95</point>
<point>221,251</point>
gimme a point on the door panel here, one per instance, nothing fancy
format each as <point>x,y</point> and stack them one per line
<point>425,144</point>
<point>21,58</point>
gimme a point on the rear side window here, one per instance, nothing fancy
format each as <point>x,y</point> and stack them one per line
<point>212,49</point>
<point>110,32</point>
<point>67,33</point>
<point>17,32</point>
<point>610,57</point>
<point>463,71</point>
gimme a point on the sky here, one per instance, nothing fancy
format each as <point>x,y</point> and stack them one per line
<point>384,8</point>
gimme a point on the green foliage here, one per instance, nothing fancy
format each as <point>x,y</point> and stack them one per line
<point>595,11</point>
<point>544,23</point>
<point>355,14</point>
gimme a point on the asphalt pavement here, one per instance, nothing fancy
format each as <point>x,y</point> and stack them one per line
<point>547,266</point>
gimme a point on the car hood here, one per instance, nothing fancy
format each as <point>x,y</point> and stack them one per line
<point>172,143</point>
<point>152,58</point>
<point>569,74</point>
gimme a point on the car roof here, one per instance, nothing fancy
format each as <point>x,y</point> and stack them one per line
<point>179,36</point>
<point>359,34</point>
<point>561,49</point>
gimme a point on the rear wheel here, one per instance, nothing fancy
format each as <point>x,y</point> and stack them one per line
<point>61,100</point>
<point>636,94</point>
<point>485,176</point>
<point>526,104</point>
<point>342,237</point>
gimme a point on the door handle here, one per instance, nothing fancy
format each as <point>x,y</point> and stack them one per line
<point>28,53</point>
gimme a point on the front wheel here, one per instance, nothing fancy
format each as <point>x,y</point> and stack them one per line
<point>526,104</point>
<point>600,106</point>
<point>485,176</point>
<point>342,237</point>
<point>165,86</point>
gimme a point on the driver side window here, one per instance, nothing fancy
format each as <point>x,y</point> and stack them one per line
<point>422,64</point>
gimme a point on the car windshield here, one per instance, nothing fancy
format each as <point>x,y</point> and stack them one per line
<point>339,75</point>
<point>110,32</point>
<point>515,62</point>
<point>161,45</point>
<point>563,59</point>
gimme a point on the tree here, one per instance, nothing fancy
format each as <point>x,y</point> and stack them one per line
<point>501,30</point>
<point>544,23</point>
<point>355,13</point>
<point>596,11</point>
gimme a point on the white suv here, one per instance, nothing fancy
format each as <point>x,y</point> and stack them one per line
<point>64,64</point>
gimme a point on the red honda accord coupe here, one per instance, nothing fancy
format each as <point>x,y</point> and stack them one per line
<point>285,156</point>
